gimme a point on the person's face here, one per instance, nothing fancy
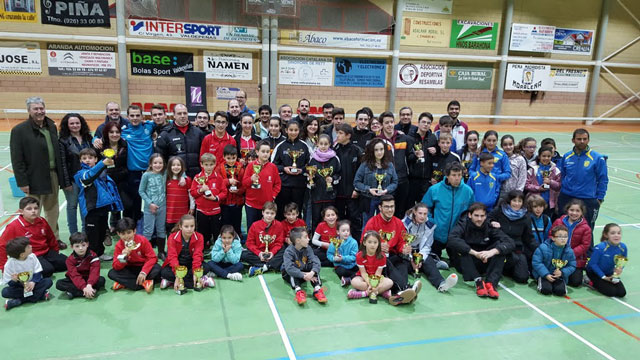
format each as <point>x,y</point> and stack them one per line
<point>127,235</point>
<point>37,112</point>
<point>188,227</point>
<point>455,177</point>
<point>247,125</point>
<point>362,121</point>
<point>291,216</point>
<point>614,235</point>
<point>88,160</point>
<point>74,125</point>
<point>342,137</point>
<point>581,141</point>
<point>574,212</point>
<point>330,217</point>
<point>274,127</point>
<point>263,153</point>
<point>30,212</point>
<point>344,232</point>
<point>487,165</point>
<point>446,128</point>
<point>135,117</point>
<point>303,108</point>
<point>227,238</point>
<point>472,142</point>
<point>234,108</point>
<point>114,135</point>
<point>157,165</point>
<point>545,158</point>
<point>326,113</point>
<point>80,248</point>
<point>378,151</point>
<point>113,112</point>
<point>424,124</point>
<point>230,159</point>
<point>202,120</point>
<point>312,128</point>
<point>303,241</point>
<point>371,244</point>
<point>323,144</point>
<point>454,111</point>
<point>478,217</point>
<point>560,238</point>
<point>491,142</point>
<point>268,215</point>
<point>27,251</point>
<point>405,116</point>
<point>375,126</point>
<point>507,146</point>
<point>292,131</point>
<point>241,96</point>
<point>286,113</point>
<point>387,125</point>
<point>159,117</point>
<point>176,167</point>
<point>220,124</point>
<point>208,166</point>
<point>445,145</point>
<point>337,119</point>
<point>529,149</point>
<point>387,208</point>
<point>181,115</point>
<point>516,203</point>
<point>538,210</point>
<point>264,115</point>
<point>420,215</point>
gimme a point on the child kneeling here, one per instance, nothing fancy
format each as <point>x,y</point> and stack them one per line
<point>300,264</point>
<point>23,262</point>
<point>553,262</point>
<point>83,270</point>
<point>371,261</point>
<point>344,256</point>
<point>225,255</point>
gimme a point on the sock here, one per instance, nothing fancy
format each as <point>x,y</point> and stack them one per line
<point>297,289</point>
<point>317,288</point>
<point>478,281</point>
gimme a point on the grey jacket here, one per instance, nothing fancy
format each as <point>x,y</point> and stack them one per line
<point>295,262</point>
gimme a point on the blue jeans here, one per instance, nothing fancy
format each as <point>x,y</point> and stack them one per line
<point>155,222</point>
<point>72,209</point>
<point>222,269</point>
<point>17,292</point>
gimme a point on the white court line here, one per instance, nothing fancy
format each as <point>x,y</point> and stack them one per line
<point>623,184</point>
<point>621,225</point>
<point>612,167</point>
<point>276,317</point>
<point>5,167</point>
<point>559,324</point>
<point>633,182</point>
<point>627,305</point>
<point>62,206</point>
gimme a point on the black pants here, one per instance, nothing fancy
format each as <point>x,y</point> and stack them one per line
<point>592,205</point>
<point>348,273</point>
<point>17,292</point>
<point>295,282</point>
<point>322,255</point>
<point>349,209</point>
<point>254,260</point>
<point>288,195</point>
<point>316,212</point>
<point>472,268</point>
<point>398,271</point>
<point>517,268</point>
<point>168,274</point>
<point>208,226</point>
<point>232,215</point>
<point>97,226</point>
<point>129,274</point>
<point>430,270</point>
<point>418,187</point>
<point>557,287</point>
<point>52,262</point>
<point>575,279</point>
<point>253,215</point>
<point>605,287</point>
<point>403,200</point>
<point>222,269</point>
<point>133,183</point>
<point>437,248</point>
<point>66,285</point>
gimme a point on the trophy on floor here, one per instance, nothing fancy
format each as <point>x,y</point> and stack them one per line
<point>24,278</point>
<point>109,153</point>
<point>418,147</point>
<point>181,272</point>
<point>620,261</point>
<point>256,169</point>
<point>294,154</point>
<point>545,175</point>
<point>374,281</point>
<point>417,259</point>
<point>266,239</point>
<point>380,179</point>
<point>198,272</point>
<point>326,172</point>
<point>203,180</point>
<point>231,172</point>
<point>311,170</point>
<point>336,241</point>
<point>437,175</point>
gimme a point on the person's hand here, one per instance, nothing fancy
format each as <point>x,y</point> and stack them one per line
<point>550,278</point>
<point>608,278</point>
<point>415,266</point>
<point>126,251</point>
<point>255,178</point>
<point>262,255</point>
<point>308,276</point>
<point>546,181</point>
<point>203,188</point>
<point>354,194</point>
<point>141,278</point>
<point>431,150</point>
<point>211,197</point>
<point>269,255</point>
<point>14,277</point>
<point>226,247</point>
<point>374,191</point>
<point>192,211</point>
<point>233,181</point>
<point>88,292</point>
<point>97,143</point>
<point>369,289</point>
<point>557,273</point>
<point>29,286</point>
<point>617,271</point>
<point>419,153</point>
<point>495,225</point>
<point>242,161</point>
<point>385,247</point>
<point>108,162</point>
<point>153,208</point>
<point>176,285</point>
<point>182,182</point>
<point>328,179</point>
<point>195,279</point>
<point>337,258</point>
<point>25,189</point>
<point>406,250</point>
<point>433,181</point>
<point>383,192</point>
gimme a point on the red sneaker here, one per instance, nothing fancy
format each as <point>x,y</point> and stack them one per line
<point>117,286</point>
<point>319,295</point>
<point>481,289</point>
<point>301,297</point>
<point>148,286</point>
<point>491,291</point>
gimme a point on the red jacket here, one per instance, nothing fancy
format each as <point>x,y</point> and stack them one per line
<point>269,181</point>
<point>40,236</point>
<point>174,247</point>
<point>393,226</point>
<point>287,226</point>
<point>258,228</point>
<point>214,182</point>
<point>178,201</point>
<point>580,239</point>
<point>83,270</point>
<point>142,256</point>
<point>215,145</point>
<point>232,198</point>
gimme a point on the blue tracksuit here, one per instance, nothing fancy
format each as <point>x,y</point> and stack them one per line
<point>446,204</point>
<point>486,188</point>
<point>97,189</point>
<point>602,258</point>
<point>540,227</point>
<point>584,175</point>
<point>502,168</point>
<point>140,145</point>
<point>541,261</point>
<point>348,249</point>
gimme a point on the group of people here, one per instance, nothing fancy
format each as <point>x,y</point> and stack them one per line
<point>405,191</point>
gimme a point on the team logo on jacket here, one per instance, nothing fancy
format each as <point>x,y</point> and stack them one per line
<point>496,159</point>
<point>491,185</point>
<point>586,163</point>
<point>42,232</point>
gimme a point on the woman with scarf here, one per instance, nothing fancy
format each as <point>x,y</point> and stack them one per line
<point>323,192</point>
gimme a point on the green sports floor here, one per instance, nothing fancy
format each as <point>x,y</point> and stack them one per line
<point>259,319</point>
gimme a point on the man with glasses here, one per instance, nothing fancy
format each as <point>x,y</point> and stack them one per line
<point>404,123</point>
<point>181,139</point>
<point>241,96</point>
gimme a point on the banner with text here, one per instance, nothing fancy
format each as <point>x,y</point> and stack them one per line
<point>354,72</point>
<point>570,41</point>
<point>188,30</point>
<point>477,35</point>
<point>469,76</point>
<point>569,79</point>
<point>420,31</point>
<point>422,75</point>
<point>160,63</point>
<point>429,6</point>
<point>533,38</point>
<point>334,39</point>
<point>531,77</point>
<point>18,11</point>
<point>305,70</point>
<point>18,58</point>
<point>86,13</point>
<point>229,66</point>
<point>81,60</point>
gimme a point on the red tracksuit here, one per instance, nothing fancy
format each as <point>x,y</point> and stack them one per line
<point>232,198</point>
<point>215,184</point>
<point>39,232</point>
<point>287,226</point>
<point>253,238</point>
<point>215,145</point>
<point>142,256</point>
<point>269,181</point>
<point>174,247</point>
<point>393,226</point>
<point>326,232</point>
<point>178,201</point>
<point>83,270</point>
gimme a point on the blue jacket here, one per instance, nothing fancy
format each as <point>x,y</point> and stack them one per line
<point>502,168</point>
<point>365,179</point>
<point>584,175</point>
<point>140,145</point>
<point>97,189</point>
<point>541,261</point>
<point>486,188</point>
<point>602,258</point>
<point>232,256</point>
<point>540,227</point>
<point>348,249</point>
<point>446,204</point>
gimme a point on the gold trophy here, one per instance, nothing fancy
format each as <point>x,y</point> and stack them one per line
<point>244,153</point>
<point>24,278</point>
<point>559,263</point>
<point>311,170</point>
<point>408,239</point>
<point>386,236</point>
<point>417,259</point>
<point>109,153</point>
<point>203,180</point>
<point>437,175</point>
<point>326,172</point>
<point>198,272</point>
<point>545,175</point>
<point>380,179</point>
<point>374,281</point>
<point>231,171</point>
<point>620,261</point>
<point>181,272</point>
<point>267,239</point>
<point>256,169</point>
<point>418,147</point>
<point>294,154</point>
<point>336,241</point>
<point>467,165</point>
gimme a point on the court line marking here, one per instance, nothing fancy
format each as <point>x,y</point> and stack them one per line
<point>8,220</point>
<point>623,184</point>
<point>637,225</point>
<point>559,324</point>
<point>276,316</point>
<point>624,180</point>
<point>623,169</point>
<point>626,304</point>
<point>591,311</point>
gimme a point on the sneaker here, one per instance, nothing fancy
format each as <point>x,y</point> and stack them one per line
<point>11,303</point>
<point>301,297</point>
<point>234,276</point>
<point>105,257</point>
<point>442,265</point>
<point>491,291</point>
<point>61,245</point>
<point>164,283</point>
<point>356,294</point>
<point>69,295</point>
<point>345,281</point>
<point>117,286</point>
<point>148,286</point>
<point>586,280</point>
<point>256,270</point>
<point>448,283</point>
<point>403,297</point>
<point>417,286</point>
<point>107,240</point>
<point>481,290</point>
<point>319,295</point>
<point>207,281</point>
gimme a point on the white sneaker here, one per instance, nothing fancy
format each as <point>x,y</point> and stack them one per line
<point>208,282</point>
<point>448,283</point>
<point>417,286</point>
<point>105,257</point>
<point>234,276</point>
<point>164,283</point>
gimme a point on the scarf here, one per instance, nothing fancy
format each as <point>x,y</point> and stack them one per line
<point>323,156</point>
<point>513,214</point>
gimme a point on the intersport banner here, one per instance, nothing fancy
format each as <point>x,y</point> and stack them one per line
<point>188,30</point>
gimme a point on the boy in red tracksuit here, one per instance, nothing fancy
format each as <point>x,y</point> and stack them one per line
<point>256,255</point>
<point>83,270</point>
<point>261,187</point>
<point>391,229</point>
<point>215,142</point>
<point>43,242</point>
<point>209,192</point>
<point>291,220</point>
<point>134,261</point>
<point>231,171</point>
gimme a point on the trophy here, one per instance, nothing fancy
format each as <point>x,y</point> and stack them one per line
<point>418,147</point>
<point>109,153</point>
<point>198,272</point>
<point>326,172</point>
<point>256,169</point>
<point>311,170</point>
<point>374,281</point>
<point>294,154</point>
<point>408,238</point>
<point>203,180</point>
<point>386,236</point>
<point>24,278</point>
<point>437,175</point>
<point>231,171</point>
<point>417,259</point>
<point>559,263</point>
<point>620,261</point>
<point>267,239</point>
<point>380,179</point>
<point>244,153</point>
<point>131,245</point>
<point>336,241</point>
<point>467,165</point>
<point>181,272</point>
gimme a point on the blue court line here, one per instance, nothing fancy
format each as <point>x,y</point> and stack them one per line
<point>458,337</point>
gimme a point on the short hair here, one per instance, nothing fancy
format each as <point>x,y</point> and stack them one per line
<point>453,167</point>
<point>27,200</point>
<point>345,128</point>
<point>34,100</point>
<point>229,102</point>
<point>484,156</point>
<point>427,114</point>
<point>557,228</point>
<point>270,205</point>
<point>125,224</point>
<point>328,106</point>
<point>405,108</point>
<point>229,150</point>
<point>17,246</point>
<point>204,112</point>
<point>111,102</point>
<point>88,152</point>
<point>134,107</point>
<point>262,143</point>
<point>159,107</point>
<point>361,111</point>
<point>265,107</point>
<point>337,111</point>
<point>387,197</point>
<point>580,131</point>
<point>284,105</point>
<point>477,206</point>
<point>77,238</point>
<point>446,120</point>
<point>384,115</point>
<point>548,141</point>
<point>304,99</point>
<point>296,234</point>
<point>291,207</point>
<point>445,136</point>
<point>513,194</point>
<point>343,222</point>
<point>534,200</point>
<point>453,102</point>
<point>222,114</point>
<point>207,157</point>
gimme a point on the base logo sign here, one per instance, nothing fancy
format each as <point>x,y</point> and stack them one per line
<point>478,35</point>
<point>187,30</point>
<point>352,72</point>
<point>81,60</point>
<point>530,77</point>
<point>160,63</point>
<point>20,58</point>
<point>86,13</point>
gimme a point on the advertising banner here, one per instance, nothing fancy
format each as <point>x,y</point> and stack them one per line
<point>425,32</point>
<point>81,60</point>
<point>477,35</point>
<point>532,77</point>
<point>195,91</point>
<point>188,30</point>
<point>305,70</point>
<point>230,66</point>
<point>18,11</point>
<point>568,79</point>
<point>422,75</point>
<point>160,63</point>
<point>20,58</point>
<point>226,93</point>
<point>571,41</point>
<point>354,72</point>
<point>429,6</point>
<point>533,38</point>
<point>74,13</point>
<point>469,76</point>
<point>334,39</point>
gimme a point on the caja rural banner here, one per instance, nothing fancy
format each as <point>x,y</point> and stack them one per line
<point>469,76</point>
<point>354,72</point>
<point>188,30</point>
<point>81,60</point>
<point>571,41</point>
<point>478,35</point>
<point>422,75</point>
<point>229,66</point>
<point>420,31</point>
<point>18,11</point>
<point>305,70</point>
<point>20,58</point>
<point>86,13</point>
<point>160,63</point>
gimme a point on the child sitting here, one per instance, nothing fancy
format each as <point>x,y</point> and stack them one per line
<point>553,262</point>
<point>325,231</point>
<point>134,261</point>
<point>225,255</point>
<point>264,242</point>
<point>41,238</point>
<point>540,222</point>
<point>371,261</point>
<point>184,248</point>
<point>603,269</point>
<point>300,264</point>
<point>344,257</point>
<point>291,220</point>
<point>22,260</point>
<point>83,270</point>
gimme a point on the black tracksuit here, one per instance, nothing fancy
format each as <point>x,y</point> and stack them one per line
<point>401,146</point>
<point>320,197</point>
<point>362,137</point>
<point>519,262</point>
<point>348,208</point>
<point>420,171</point>
<point>172,142</point>
<point>293,186</point>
